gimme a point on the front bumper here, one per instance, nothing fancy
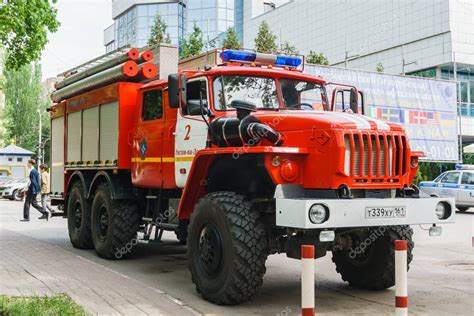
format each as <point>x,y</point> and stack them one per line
<point>352,212</point>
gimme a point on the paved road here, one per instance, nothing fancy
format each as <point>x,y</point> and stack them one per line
<point>441,278</point>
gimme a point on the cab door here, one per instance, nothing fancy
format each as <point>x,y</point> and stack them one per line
<point>148,141</point>
<point>191,129</point>
<point>466,190</point>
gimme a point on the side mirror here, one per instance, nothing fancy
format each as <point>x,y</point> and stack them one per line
<point>354,101</point>
<point>173,91</point>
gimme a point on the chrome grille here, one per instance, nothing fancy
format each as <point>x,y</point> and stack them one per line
<point>375,156</point>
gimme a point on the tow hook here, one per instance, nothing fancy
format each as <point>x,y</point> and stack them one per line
<point>435,230</point>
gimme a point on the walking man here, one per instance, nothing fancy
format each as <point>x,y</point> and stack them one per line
<point>45,188</point>
<point>33,190</point>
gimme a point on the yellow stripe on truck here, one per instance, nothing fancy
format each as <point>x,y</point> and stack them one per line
<point>163,159</point>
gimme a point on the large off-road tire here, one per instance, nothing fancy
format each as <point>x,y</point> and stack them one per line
<point>374,268</point>
<point>79,218</point>
<point>115,224</point>
<point>227,248</point>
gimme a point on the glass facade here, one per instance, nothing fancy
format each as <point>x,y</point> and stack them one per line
<point>133,27</point>
<point>213,17</point>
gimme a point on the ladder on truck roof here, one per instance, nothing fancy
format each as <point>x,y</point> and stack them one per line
<point>96,61</point>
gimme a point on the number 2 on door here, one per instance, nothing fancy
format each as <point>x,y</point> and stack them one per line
<point>188,130</point>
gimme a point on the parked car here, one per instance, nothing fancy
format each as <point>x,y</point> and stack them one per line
<point>4,180</point>
<point>13,190</point>
<point>457,183</point>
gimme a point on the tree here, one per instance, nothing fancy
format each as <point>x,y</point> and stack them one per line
<point>231,39</point>
<point>316,59</point>
<point>194,44</point>
<point>265,42</point>
<point>379,67</point>
<point>288,49</point>
<point>22,102</point>
<point>24,28</point>
<point>158,33</point>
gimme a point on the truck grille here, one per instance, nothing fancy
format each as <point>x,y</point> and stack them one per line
<point>375,156</point>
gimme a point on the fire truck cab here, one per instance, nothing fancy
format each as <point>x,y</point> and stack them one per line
<point>243,160</point>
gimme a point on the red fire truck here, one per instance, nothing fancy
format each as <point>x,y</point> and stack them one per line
<point>243,159</point>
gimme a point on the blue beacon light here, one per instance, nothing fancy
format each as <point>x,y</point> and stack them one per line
<point>249,57</point>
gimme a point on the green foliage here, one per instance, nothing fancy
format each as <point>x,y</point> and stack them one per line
<point>158,33</point>
<point>231,39</point>
<point>265,42</point>
<point>23,29</point>
<point>379,67</point>
<point>288,49</point>
<point>316,58</point>
<point>193,45</point>
<point>47,305</point>
<point>22,101</point>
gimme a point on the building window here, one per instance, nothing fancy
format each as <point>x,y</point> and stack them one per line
<point>19,159</point>
<point>10,159</point>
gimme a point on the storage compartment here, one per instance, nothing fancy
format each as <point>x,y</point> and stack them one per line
<point>57,155</point>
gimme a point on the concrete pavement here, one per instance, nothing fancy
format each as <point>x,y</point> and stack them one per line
<point>441,277</point>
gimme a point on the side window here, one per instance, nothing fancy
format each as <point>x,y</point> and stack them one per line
<point>451,178</point>
<point>194,90</point>
<point>467,178</point>
<point>439,177</point>
<point>152,107</point>
<point>19,159</point>
<point>343,98</point>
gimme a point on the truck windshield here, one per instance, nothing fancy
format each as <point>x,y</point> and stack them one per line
<point>299,94</point>
<point>261,91</point>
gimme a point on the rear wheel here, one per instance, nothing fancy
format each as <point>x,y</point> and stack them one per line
<point>462,208</point>
<point>79,218</point>
<point>227,248</point>
<point>114,224</point>
<point>370,263</point>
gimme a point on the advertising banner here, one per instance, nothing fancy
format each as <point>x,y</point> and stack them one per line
<point>425,107</point>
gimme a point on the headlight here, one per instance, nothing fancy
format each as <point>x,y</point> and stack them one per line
<point>443,210</point>
<point>318,213</point>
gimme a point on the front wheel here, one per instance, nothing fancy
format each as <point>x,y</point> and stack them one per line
<point>227,248</point>
<point>17,195</point>
<point>370,262</point>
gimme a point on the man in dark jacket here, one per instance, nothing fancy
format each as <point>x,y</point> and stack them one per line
<point>34,188</point>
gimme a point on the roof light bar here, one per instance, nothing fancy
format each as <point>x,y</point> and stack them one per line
<point>464,167</point>
<point>261,58</point>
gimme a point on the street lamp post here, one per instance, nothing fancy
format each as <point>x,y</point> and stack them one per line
<point>347,58</point>
<point>39,137</point>
<point>404,63</point>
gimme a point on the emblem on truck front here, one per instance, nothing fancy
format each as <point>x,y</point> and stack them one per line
<point>143,149</point>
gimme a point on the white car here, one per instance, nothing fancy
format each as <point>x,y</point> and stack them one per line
<point>13,189</point>
<point>455,183</point>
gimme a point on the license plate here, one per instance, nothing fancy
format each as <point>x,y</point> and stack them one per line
<point>385,212</point>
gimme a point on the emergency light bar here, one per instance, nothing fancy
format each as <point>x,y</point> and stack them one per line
<point>464,167</point>
<point>261,58</point>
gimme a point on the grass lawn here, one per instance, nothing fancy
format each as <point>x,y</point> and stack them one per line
<point>39,305</point>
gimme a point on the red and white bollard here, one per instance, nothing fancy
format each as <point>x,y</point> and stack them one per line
<point>401,282</point>
<point>307,280</point>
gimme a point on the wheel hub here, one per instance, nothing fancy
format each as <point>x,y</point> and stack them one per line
<point>210,248</point>
<point>77,215</point>
<point>103,222</point>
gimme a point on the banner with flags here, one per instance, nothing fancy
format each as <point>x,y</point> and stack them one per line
<point>426,108</point>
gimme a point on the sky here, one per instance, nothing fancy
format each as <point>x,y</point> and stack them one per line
<point>80,36</point>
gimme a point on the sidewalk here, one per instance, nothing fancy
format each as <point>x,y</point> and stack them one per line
<point>31,267</point>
